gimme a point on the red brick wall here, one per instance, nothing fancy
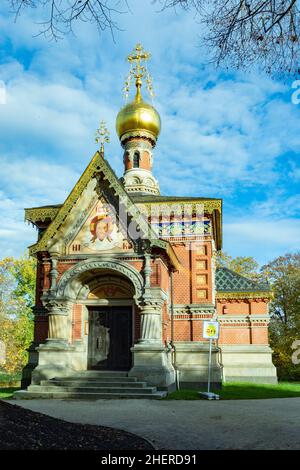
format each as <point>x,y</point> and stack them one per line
<point>260,335</point>
<point>193,282</point>
<point>145,161</point>
<point>256,333</point>
<point>235,335</point>
<point>77,322</point>
<point>181,279</point>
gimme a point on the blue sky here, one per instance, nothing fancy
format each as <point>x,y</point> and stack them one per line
<point>224,134</point>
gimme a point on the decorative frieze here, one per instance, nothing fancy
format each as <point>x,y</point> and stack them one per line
<point>114,265</point>
<point>40,214</point>
<point>243,320</point>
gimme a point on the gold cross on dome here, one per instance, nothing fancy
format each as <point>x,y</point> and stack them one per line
<point>136,57</point>
<point>138,71</point>
<point>102,135</point>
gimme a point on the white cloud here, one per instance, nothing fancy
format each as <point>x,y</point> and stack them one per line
<point>263,239</point>
<point>220,132</point>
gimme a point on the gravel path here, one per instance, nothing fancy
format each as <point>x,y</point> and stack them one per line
<point>200,424</point>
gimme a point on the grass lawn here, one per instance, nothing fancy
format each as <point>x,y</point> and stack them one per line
<point>9,383</point>
<point>242,391</point>
<point>7,392</point>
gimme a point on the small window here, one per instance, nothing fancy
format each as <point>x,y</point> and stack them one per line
<point>136,160</point>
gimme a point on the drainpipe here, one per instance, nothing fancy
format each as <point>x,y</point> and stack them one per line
<point>219,349</point>
<point>173,353</point>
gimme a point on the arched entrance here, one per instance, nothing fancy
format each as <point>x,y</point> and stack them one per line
<point>110,323</point>
<point>110,338</point>
<point>108,292</point>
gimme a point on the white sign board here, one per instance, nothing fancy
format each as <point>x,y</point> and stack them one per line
<point>210,329</point>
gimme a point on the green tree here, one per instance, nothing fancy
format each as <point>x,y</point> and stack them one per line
<point>243,265</point>
<point>17,290</point>
<point>283,274</point>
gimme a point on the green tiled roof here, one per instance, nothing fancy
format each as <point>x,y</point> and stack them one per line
<point>230,281</point>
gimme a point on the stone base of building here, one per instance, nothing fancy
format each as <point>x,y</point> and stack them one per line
<point>249,363</point>
<point>187,366</point>
<point>191,363</point>
<point>30,366</point>
<point>153,365</point>
<point>58,359</point>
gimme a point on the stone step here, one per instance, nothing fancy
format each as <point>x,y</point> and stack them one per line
<point>87,389</point>
<point>91,383</point>
<point>24,394</point>
<point>102,373</point>
<point>107,378</point>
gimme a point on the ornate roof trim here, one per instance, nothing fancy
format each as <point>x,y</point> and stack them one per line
<point>210,205</point>
<point>40,214</point>
<point>99,165</point>
<point>244,295</point>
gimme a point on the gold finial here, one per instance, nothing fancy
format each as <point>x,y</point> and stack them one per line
<point>138,71</point>
<point>102,135</point>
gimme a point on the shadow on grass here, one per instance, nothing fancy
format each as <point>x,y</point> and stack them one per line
<point>243,391</point>
<point>7,392</point>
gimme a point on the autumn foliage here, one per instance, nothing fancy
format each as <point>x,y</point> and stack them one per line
<point>17,286</point>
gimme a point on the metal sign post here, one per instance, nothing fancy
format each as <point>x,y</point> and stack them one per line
<point>210,331</point>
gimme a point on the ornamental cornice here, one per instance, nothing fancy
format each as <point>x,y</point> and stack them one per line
<point>261,295</point>
<point>209,205</point>
<point>133,145</point>
<point>261,320</point>
<point>140,133</point>
<point>185,317</point>
<point>134,188</point>
<point>40,214</point>
<point>193,311</point>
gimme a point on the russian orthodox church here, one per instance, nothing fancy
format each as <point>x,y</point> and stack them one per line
<point>126,277</point>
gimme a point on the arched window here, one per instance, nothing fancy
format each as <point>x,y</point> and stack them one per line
<point>136,160</point>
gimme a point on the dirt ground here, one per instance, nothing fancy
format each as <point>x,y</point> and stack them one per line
<point>24,429</point>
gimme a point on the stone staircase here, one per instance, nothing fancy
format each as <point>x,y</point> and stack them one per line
<point>91,385</point>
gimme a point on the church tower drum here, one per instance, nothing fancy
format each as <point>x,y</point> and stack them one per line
<point>138,126</point>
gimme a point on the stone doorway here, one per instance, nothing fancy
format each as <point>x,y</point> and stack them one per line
<point>110,338</point>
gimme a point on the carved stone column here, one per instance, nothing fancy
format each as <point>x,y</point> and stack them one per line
<point>56,357</point>
<point>147,271</point>
<point>53,273</point>
<point>151,361</point>
<point>59,322</point>
<point>151,323</point>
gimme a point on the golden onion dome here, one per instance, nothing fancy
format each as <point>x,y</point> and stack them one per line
<point>138,116</point>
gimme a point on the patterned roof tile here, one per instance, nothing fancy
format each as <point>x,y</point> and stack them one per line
<point>230,281</point>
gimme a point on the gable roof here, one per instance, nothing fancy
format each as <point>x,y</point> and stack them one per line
<point>99,165</point>
<point>229,283</point>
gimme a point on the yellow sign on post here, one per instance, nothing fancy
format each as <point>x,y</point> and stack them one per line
<point>210,329</point>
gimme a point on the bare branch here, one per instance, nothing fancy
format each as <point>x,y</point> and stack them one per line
<point>61,15</point>
<point>242,33</point>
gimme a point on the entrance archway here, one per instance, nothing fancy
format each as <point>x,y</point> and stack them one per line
<point>72,281</point>
<point>110,310</point>
<point>108,291</point>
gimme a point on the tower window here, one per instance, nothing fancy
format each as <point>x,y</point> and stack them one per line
<point>136,160</point>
